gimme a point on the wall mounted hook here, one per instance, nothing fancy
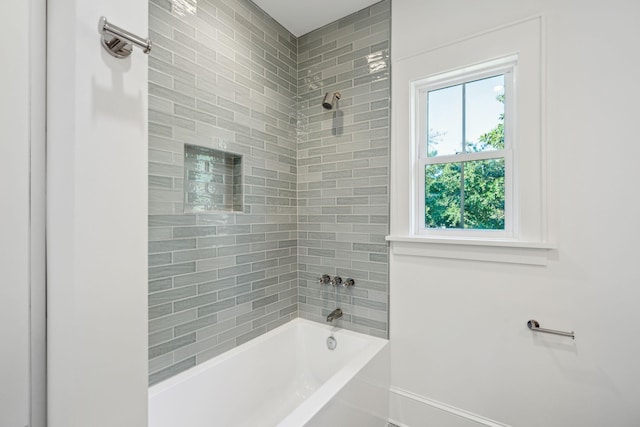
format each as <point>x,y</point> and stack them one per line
<point>119,42</point>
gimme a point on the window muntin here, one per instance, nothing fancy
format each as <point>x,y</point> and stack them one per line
<point>464,168</point>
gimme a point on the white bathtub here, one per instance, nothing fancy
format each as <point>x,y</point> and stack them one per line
<point>287,378</point>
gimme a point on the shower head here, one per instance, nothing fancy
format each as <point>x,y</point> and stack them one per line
<point>330,99</point>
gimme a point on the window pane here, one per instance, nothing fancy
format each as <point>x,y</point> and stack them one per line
<point>484,114</point>
<point>442,195</point>
<point>444,121</point>
<point>466,195</point>
<point>484,194</point>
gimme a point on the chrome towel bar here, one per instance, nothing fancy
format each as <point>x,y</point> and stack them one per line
<point>535,326</point>
<point>119,42</point>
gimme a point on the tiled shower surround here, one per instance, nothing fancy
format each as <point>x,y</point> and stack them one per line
<point>224,76</point>
<point>343,169</point>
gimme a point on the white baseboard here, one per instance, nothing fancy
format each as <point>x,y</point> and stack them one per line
<point>408,409</point>
<point>397,423</point>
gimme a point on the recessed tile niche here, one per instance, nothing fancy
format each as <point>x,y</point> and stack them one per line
<point>212,180</point>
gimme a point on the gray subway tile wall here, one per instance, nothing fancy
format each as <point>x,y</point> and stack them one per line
<point>222,77</point>
<point>343,169</point>
<point>225,76</point>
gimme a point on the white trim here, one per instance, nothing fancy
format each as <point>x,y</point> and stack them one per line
<point>505,66</point>
<point>529,215</point>
<point>504,243</point>
<point>446,408</point>
<point>22,245</point>
<point>397,423</point>
<point>543,127</point>
<point>471,37</point>
<point>37,210</point>
<point>15,244</point>
<point>478,71</point>
<point>497,250</point>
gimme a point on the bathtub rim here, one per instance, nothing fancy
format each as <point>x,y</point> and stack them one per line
<point>375,342</point>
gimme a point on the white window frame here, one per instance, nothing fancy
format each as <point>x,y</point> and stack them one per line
<point>530,242</point>
<point>506,66</point>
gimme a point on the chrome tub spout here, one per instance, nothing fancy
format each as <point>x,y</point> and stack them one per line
<point>335,314</point>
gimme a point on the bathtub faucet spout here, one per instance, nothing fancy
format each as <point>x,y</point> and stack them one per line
<point>335,314</point>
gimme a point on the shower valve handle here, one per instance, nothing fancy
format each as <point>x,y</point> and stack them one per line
<point>348,283</point>
<point>337,281</point>
<point>325,279</point>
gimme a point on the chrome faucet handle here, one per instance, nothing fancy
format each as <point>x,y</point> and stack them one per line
<point>337,281</point>
<point>349,282</point>
<point>325,279</point>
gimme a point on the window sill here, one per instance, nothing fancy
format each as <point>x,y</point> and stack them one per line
<point>498,250</point>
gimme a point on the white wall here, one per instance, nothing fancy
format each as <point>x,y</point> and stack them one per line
<point>458,329</point>
<point>97,226</point>
<point>14,223</point>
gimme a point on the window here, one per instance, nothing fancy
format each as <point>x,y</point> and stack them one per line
<point>486,195</point>
<point>464,166</point>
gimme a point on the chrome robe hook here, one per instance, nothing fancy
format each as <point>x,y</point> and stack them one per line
<point>119,42</point>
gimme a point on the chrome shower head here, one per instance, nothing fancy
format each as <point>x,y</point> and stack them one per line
<point>330,99</point>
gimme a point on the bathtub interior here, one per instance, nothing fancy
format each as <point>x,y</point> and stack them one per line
<point>288,373</point>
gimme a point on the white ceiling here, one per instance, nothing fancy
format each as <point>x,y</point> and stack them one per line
<point>303,16</point>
